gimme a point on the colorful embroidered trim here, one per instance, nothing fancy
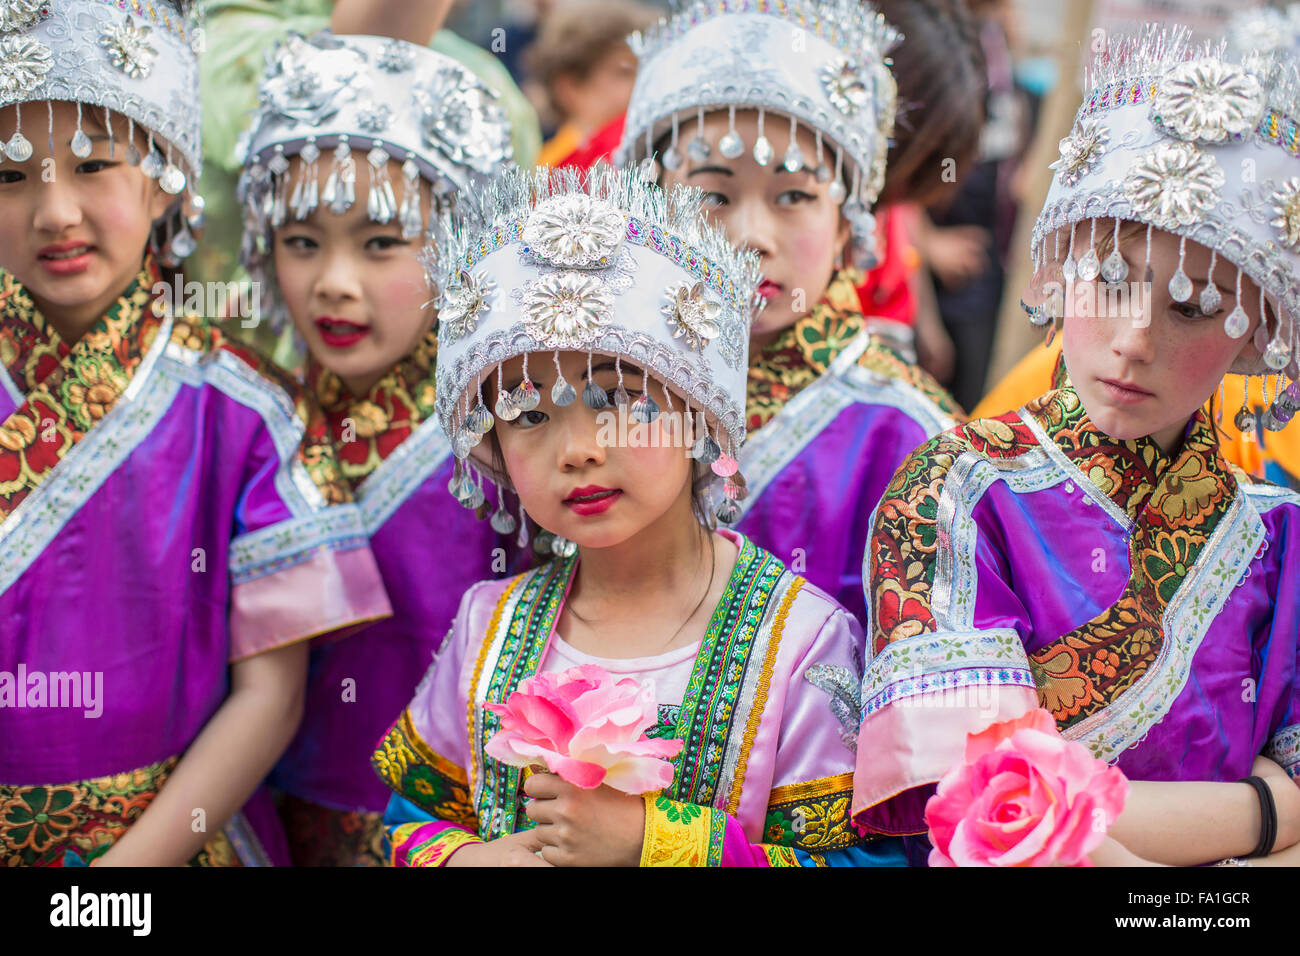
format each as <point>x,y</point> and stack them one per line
<point>416,849</point>
<point>411,768</point>
<point>780,856</point>
<point>471,719</point>
<point>812,816</point>
<point>1285,749</point>
<point>759,702</point>
<point>525,639</point>
<point>718,673</point>
<point>681,834</point>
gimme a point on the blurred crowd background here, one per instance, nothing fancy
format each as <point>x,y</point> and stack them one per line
<point>958,240</point>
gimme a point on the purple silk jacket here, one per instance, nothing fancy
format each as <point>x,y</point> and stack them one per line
<point>164,507</point>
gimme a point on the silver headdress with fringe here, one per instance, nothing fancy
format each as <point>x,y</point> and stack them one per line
<point>359,102</point>
<point>1185,139</point>
<point>605,263</point>
<point>129,57</point>
<point>821,64</point>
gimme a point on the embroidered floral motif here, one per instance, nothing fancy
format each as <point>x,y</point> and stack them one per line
<point>463,119</point>
<point>18,15</point>
<point>24,61</point>
<point>410,767</point>
<point>804,351</point>
<point>843,84</point>
<point>464,302</point>
<point>323,836</point>
<point>567,310</point>
<point>691,315</point>
<point>367,430</point>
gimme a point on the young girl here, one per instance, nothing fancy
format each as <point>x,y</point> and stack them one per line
<point>1093,553</point>
<point>610,288</point>
<point>165,545</point>
<point>345,269</point>
<point>782,114</point>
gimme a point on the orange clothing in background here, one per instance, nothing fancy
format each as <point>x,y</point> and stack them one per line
<point>1032,376</point>
<point>885,292</point>
<point>560,146</point>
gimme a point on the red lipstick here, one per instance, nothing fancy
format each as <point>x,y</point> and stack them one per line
<point>769,289</point>
<point>592,499</point>
<point>65,258</point>
<point>340,333</point>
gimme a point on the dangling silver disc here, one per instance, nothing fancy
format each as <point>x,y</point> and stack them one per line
<point>731,145</point>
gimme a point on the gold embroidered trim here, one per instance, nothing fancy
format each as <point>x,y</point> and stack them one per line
<point>493,624</point>
<point>760,694</point>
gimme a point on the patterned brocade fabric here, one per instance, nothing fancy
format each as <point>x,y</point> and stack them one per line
<point>367,430</point>
<point>804,351</point>
<point>408,765</point>
<point>76,823</point>
<point>1174,504</point>
<point>69,389</point>
<point>323,836</point>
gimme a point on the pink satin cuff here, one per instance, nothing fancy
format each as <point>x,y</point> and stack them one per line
<point>328,591</point>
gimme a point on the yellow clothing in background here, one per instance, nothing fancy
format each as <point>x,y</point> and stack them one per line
<point>1032,376</point>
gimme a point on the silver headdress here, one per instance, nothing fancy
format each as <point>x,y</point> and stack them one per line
<point>817,63</point>
<point>130,57</point>
<point>1188,140</point>
<point>357,102</point>
<point>602,262</point>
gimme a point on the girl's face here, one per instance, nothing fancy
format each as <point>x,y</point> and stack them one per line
<point>1147,375</point>
<point>577,471</point>
<point>788,218</point>
<point>353,288</point>
<point>74,230</point>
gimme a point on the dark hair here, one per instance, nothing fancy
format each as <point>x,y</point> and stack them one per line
<point>942,86</point>
<point>576,35</point>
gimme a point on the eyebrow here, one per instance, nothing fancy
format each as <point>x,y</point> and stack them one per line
<point>710,169</point>
<point>628,369</point>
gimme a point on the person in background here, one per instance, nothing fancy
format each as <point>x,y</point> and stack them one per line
<point>582,61</point>
<point>346,273</point>
<point>964,239</point>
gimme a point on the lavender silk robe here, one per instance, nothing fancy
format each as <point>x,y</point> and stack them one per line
<point>819,466</point>
<point>186,528</point>
<point>1150,602</point>
<point>767,720</point>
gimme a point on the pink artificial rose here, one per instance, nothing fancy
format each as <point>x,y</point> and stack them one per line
<point>1024,796</point>
<point>587,728</point>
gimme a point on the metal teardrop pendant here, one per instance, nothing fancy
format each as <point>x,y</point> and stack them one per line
<point>480,420</point>
<point>837,192</point>
<point>621,398</point>
<point>562,393</point>
<point>1114,269</point>
<point>644,410</point>
<point>1244,419</point>
<point>823,173</point>
<point>473,495</point>
<point>1089,266</point>
<point>706,450</point>
<point>563,547</point>
<point>81,145</point>
<point>727,511</point>
<point>133,154</point>
<point>1070,268</point>
<point>19,148</point>
<point>1210,299</point>
<point>503,522</point>
<point>648,169</point>
<point>593,396</point>
<point>183,244</point>
<point>526,397</point>
<point>1276,355</point>
<point>731,145</point>
<point>698,149</point>
<point>763,151</point>
<point>1180,286</point>
<point>152,165</point>
<point>673,159</point>
<point>1237,322</point>
<point>462,443</point>
<point>793,160</point>
<point>725,466</point>
<point>505,408</point>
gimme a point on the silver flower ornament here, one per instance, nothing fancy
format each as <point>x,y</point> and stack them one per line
<point>1081,151</point>
<point>575,231</point>
<point>21,14</point>
<point>1207,101</point>
<point>1286,203</point>
<point>1173,185</point>
<point>567,310</point>
<point>129,48</point>
<point>464,302</point>
<point>842,81</point>
<point>24,61</point>
<point>691,316</point>
<point>463,120</point>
